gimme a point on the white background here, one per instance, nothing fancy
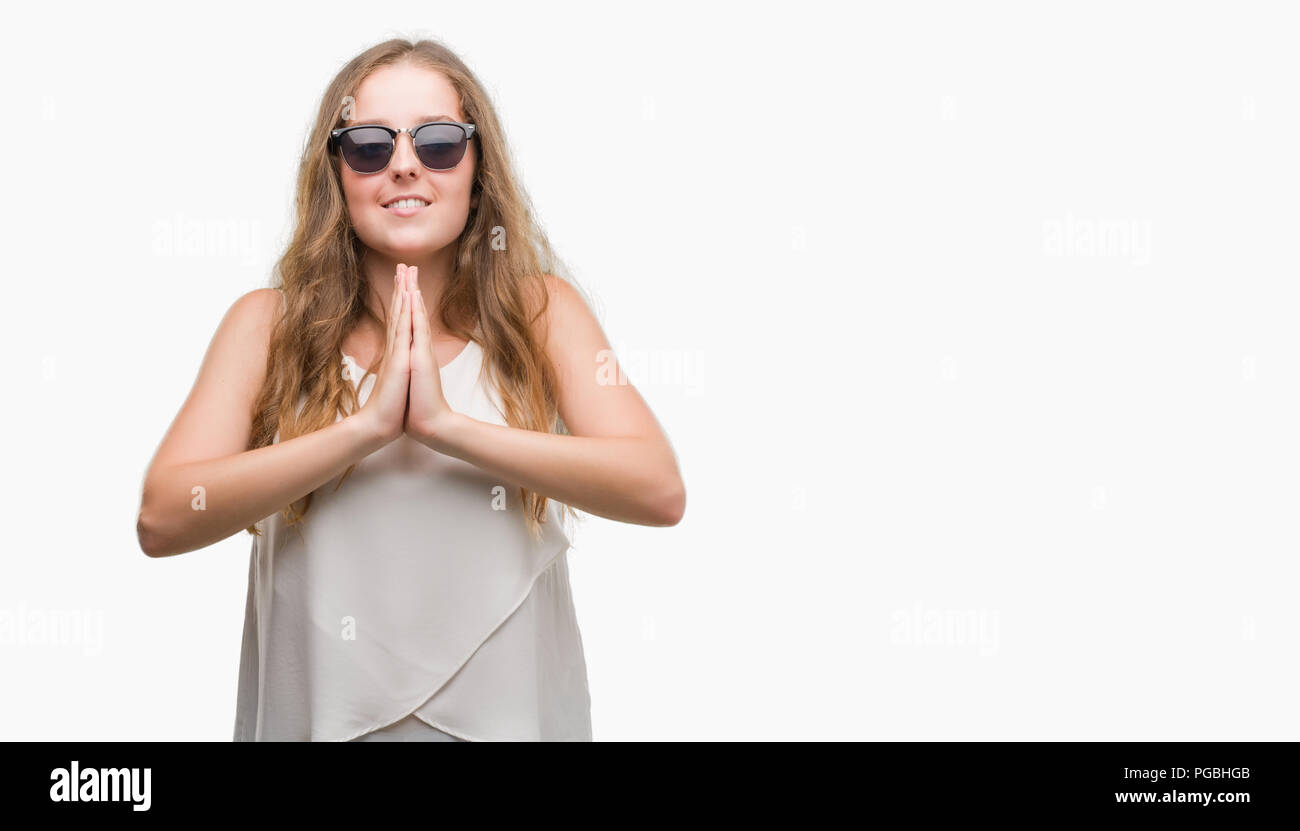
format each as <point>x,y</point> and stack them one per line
<point>984,313</point>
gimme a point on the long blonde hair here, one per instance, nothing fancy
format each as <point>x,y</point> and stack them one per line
<point>501,289</point>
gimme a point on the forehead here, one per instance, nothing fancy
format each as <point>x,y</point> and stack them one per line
<point>405,94</point>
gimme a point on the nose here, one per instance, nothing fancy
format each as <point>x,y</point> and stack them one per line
<point>404,162</point>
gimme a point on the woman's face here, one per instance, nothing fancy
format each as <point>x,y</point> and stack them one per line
<point>397,96</point>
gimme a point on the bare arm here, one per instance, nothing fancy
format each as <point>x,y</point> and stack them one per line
<point>628,479</point>
<point>616,463</point>
<point>204,448</point>
<point>242,488</point>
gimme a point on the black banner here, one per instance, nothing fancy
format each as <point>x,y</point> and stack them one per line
<point>1219,781</point>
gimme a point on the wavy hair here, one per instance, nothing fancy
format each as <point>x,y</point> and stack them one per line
<point>493,295</point>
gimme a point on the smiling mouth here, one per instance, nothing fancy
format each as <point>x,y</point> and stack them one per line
<point>406,204</point>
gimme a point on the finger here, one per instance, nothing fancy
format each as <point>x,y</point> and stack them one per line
<point>403,345</point>
<point>394,309</point>
<point>397,325</point>
<point>420,341</point>
<point>413,285</point>
<point>397,309</point>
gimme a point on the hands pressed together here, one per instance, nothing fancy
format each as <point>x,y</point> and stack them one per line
<point>407,396</point>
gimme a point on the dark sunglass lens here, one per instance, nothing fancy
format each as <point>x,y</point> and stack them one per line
<point>366,150</point>
<point>440,146</point>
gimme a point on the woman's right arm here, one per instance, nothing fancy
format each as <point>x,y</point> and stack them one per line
<point>205,446</point>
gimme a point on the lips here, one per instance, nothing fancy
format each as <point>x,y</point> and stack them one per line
<point>407,200</point>
<point>406,207</point>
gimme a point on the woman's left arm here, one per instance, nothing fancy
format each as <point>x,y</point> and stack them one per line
<point>616,463</point>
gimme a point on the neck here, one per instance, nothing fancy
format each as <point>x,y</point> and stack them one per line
<point>434,275</point>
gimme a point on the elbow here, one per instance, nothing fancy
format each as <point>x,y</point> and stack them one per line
<point>149,542</point>
<point>671,505</point>
<point>152,543</point>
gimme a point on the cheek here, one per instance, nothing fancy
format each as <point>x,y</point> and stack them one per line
<point>353,188</point>
<point>464,187</point>
<point>360,195</point>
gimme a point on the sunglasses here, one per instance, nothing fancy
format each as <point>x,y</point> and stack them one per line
<point>368,148</point>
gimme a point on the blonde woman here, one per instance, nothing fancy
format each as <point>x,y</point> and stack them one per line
<point>395,424</point>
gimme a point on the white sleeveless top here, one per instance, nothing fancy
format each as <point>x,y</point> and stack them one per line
<point>413,589</point>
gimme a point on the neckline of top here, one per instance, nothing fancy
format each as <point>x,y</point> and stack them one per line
<point>459,355</point>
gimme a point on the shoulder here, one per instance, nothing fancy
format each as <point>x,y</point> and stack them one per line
<point>245,330</point>
<point>569,332</point>
<point>557,286</point>
<point>256,311</point>
<point>566,309</point>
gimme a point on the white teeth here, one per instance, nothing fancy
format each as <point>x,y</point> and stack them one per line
<point>408,203</point>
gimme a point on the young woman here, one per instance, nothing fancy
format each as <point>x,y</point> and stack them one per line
<point>395,423</point>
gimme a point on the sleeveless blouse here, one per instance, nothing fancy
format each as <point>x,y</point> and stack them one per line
<point>413,589</point>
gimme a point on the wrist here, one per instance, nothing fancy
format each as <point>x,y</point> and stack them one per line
<point>368,435</point>
<point>440,433</point>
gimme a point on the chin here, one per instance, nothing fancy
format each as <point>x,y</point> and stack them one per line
<point>411,249</point>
